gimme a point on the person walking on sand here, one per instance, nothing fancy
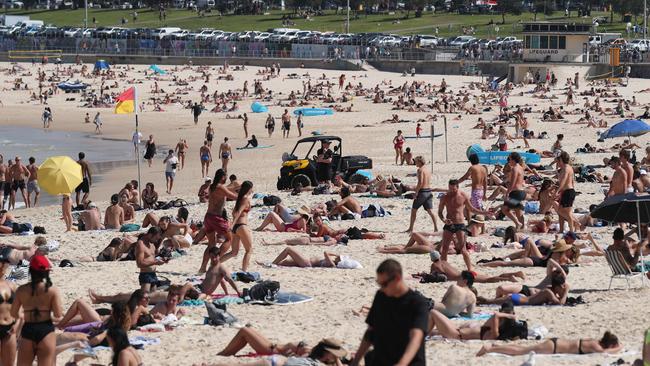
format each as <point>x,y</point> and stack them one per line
<point>87,181</point>
<point>136,139</point>
<point>66,209</point>
<point>209,133</point>
<point>241,231</point>
<point>245,124</point>
<point>215,221</point>
<point>299,123</point>
<point>41,303</point>
<point>423,194</point>
<point>145,259</point>
<point>286,124</point>
<point>196,112</point>
<point>270,125</point>
<point>98,124</point>
<point>566,193</point>
<point>225,152</point>
<point>171,164</point>
<point>19,173</point>
<point>515,194</point>
<point>456,202</point>
<point>397,322</point>
<point>398,144</point>
<point>205,154</point>
<point>478,174</point>
<point>32,183</point>
<point>150,150</point>
<point>181,148</point>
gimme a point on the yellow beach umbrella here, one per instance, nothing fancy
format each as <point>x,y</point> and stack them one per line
<point>59,175</point>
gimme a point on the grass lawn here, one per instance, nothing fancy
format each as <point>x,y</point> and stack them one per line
<point>448,24</point>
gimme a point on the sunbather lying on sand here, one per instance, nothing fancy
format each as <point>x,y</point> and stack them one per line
<point>608,344</point>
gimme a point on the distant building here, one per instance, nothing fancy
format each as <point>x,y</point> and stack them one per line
<point>556,42</point>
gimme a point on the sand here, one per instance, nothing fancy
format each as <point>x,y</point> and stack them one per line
<point>336,292</point>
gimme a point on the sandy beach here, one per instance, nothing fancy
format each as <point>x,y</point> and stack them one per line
<point>337,293</point>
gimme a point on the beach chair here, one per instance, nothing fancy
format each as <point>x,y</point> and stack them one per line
<point>619,268</point>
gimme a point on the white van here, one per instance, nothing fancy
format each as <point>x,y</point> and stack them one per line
<point>161,33</point>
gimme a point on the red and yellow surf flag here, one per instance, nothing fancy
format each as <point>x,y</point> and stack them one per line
<point>126,102</point>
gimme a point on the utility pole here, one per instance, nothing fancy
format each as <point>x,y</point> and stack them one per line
<point>85,14</point>
<point>347,23</point>
<point>645,19</point>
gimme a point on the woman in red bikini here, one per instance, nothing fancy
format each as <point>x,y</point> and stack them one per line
<point>398,143</point>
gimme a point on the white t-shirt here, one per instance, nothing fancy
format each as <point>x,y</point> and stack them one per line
<point>137,138</point>
<point>171,165</point>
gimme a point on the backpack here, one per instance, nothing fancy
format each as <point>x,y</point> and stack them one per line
<point>271,200</point>
<point>266,291</point>
<point>354,233</point>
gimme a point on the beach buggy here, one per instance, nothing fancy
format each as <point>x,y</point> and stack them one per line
<point>302,171</point>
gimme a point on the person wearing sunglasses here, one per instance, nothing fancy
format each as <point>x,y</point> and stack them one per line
<point>397,322</point>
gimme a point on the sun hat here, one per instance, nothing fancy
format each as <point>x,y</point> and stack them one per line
<point>561,246</point>
<point>480,219</point>
<point>39,263</point>
<point>334,346</point>
<point>207,179</point>
<point>304,210</point>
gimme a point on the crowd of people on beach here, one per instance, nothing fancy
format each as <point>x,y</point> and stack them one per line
<point>34,325</point>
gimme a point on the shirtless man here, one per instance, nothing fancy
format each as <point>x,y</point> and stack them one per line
<point>225,152</point>
<point>216,274</point>
<point>423,194</point>
<point>114,216</point>
<point>3,173</point>
<point>6,194</point>
<point>454,274</point>
<point>90,218</point>
<point>32,183</point>
<point>16,253</point>
<point>19,173</point>
<point>566,192</point>
<point>459,298</point>
<point>245,118</point>
<point>515,193</point>
<point>618,184</point>
<point>87,179</point>
<point>215,221</point>
<point>624,157</point>
<point>348,204</point>
<point>209,133</point>
<point>168,307</point>
<point>286,124</point>
<point>456,201</point>
<point>145,258</point>
<point>478,173</point>
<point>205,154</point>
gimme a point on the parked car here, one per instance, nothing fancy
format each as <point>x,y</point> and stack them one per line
<point>642,45</point>
<point>461,41</point>
<point>428,41</point>
<point>72,32</point>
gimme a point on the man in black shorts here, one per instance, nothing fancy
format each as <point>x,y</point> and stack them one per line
<point>423,194</point>
<point>85,184</point>
<point>566,184</point>
<point>196,112</point>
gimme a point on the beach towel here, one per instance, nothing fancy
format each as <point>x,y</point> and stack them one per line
<point>127,228</point>
<point>255,147</point>
<point>285,298</point>
<point>246,277</point>
<point>144,341</point>
<point>476,316</point>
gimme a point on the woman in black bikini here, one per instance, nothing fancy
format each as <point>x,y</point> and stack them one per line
<point>240,230</point>
<point>501,326</point>
<point>123,353</point>
<point>41,303</point>
<point>608,344</point>
<point>7,321</point>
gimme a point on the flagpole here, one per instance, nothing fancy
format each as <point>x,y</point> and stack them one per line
<point>137,146</point>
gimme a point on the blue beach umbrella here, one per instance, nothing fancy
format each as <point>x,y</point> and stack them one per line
<point>627,128</point>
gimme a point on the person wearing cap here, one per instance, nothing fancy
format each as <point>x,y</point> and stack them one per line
<point>397,322</point>
<point>146,259</point>
<point>41,305</point>
<point>114,215</point>
<point>324,162</point>
<point>454,230</point>
<point>149,196</point>
<point>459,298</point>
<point>618,183</point>
<point>90,218</point>
<point>423,195</point>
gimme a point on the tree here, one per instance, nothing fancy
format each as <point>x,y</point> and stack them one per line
<point>413,5</point>
<point>508,6</point>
